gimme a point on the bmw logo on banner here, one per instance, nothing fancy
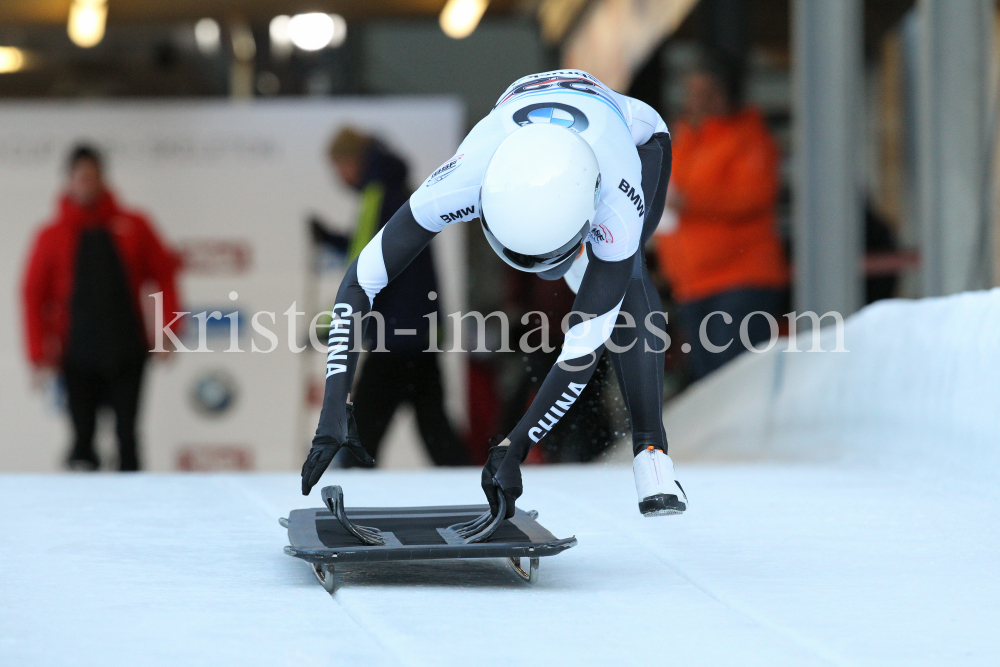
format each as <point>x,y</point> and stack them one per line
<point>553,113</point>
<point>214,393</point>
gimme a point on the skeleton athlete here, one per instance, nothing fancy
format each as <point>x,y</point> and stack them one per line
<point>561,163</point>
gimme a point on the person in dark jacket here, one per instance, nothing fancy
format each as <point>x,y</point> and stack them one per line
<point>404,373</point>
<point>83,291</point>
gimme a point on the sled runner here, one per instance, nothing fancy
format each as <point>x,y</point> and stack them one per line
<point>335,534</point>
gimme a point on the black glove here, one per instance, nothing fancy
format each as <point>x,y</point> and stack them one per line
<point>324,236</point>
<point>318,230</point>
<point>325,447</point>
<point>501,475</point>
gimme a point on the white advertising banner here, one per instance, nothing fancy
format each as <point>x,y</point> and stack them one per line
<point>232,185</point>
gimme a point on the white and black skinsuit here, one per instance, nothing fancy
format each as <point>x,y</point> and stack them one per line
<point>632,146</point>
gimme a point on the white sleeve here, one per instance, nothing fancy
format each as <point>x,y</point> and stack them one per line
<point>617,226</point>
<point>372,273</point>
<point>643,121</point>
<point>612,237</point>
<point>451,193</point>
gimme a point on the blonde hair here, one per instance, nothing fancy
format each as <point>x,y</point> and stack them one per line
<point>348,143</point>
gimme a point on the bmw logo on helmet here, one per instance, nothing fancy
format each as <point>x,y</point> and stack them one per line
<point>552,113</point>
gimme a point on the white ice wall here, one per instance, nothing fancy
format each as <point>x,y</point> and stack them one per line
<point>920,384</point>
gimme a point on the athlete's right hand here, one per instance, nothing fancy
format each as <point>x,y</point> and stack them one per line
<point>325,447</point>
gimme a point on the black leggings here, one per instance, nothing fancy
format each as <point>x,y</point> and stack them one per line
<point>389,379</point>
<point>86,391</point>
<point>640,368</point>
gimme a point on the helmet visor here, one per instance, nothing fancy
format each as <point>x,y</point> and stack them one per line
<point>541,261</point>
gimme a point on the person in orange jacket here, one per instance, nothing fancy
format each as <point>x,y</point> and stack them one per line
<point>724,253</point>
<point>84,286</point>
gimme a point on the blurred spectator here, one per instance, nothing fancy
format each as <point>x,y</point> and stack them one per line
<point>83,288</point>
<point>405,373</point>
<point>879,238</point>
<point>724,254</point>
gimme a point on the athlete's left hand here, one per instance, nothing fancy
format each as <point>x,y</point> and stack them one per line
<point>325,447</point>
<point>502,474</point>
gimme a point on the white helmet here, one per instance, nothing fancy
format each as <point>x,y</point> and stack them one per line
<point>539,196</point>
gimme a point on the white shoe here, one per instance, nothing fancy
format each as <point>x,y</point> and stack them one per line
<point>659,491</point>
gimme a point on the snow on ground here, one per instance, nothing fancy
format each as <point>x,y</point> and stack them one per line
<point>773,565</point>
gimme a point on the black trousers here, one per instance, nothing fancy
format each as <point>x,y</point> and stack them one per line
<point>639,364</point>
<point>389,379</point>
<point>87,390</point>
<point>738,304</point>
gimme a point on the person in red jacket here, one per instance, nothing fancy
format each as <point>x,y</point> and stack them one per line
<point>725,254</point>
<point>87,277</point>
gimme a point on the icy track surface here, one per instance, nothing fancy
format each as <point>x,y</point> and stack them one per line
<point>773,565</point>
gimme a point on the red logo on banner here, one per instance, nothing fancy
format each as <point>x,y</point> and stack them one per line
<point>214,458</point>
<point>215,256</point>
